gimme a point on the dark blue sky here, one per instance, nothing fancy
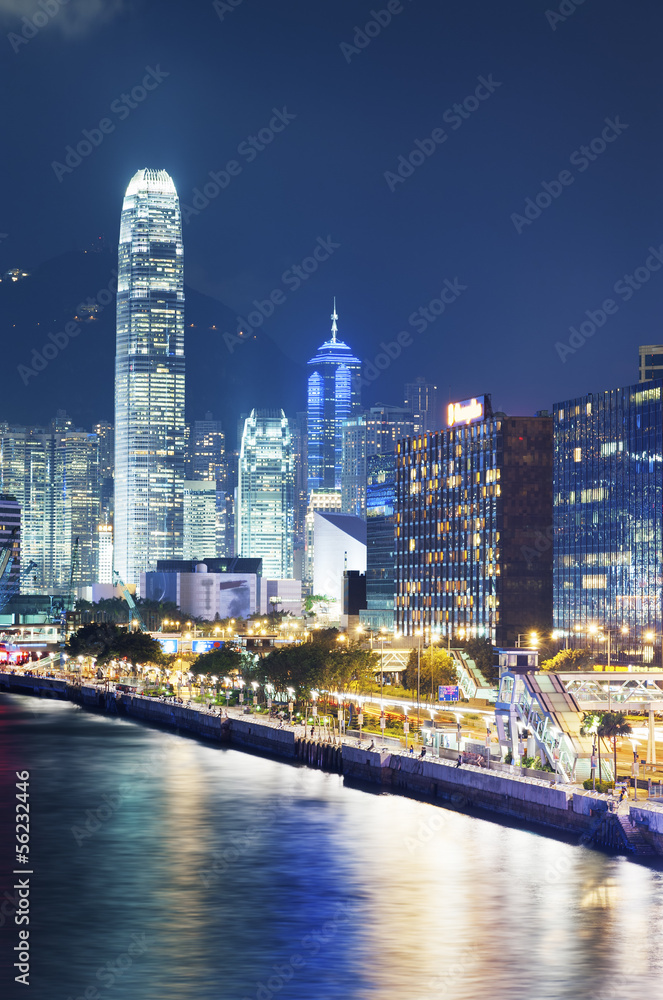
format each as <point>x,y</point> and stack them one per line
<point>323,175</point>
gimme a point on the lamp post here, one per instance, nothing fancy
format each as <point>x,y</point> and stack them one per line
<point>603,633</point>
<point>419,634</point>
<point>521,635</point>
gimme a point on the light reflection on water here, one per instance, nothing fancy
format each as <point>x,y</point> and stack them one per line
<point>223,875</point>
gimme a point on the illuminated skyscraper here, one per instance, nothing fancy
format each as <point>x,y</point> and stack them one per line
<point>149,377</point>
<point>266,494</point>
<point>333,396</point>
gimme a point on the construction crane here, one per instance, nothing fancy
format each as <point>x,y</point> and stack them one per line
<point>126,594</point>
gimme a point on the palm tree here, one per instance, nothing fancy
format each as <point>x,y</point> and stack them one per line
<point>614,724</point>
<point>591,722</point>
<point>605,726</point>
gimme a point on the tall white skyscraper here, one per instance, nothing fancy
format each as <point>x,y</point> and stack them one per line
<point>266,494</point>
<point>149,377</point>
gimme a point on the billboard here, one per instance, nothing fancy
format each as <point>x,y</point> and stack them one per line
<point>468,411</point>
<point>204,645</point>
<point>447,692</point>
<point>169,646</point>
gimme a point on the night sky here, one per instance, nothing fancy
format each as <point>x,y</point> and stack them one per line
<point>349,106</point>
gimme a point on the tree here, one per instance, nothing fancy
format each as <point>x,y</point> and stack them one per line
<point>481,651</point>
<point>348,664</point>
<point>436,667</point>
<point>108,641</point>
<point>219,662</point>
<point>614,724</point>
<point>605,726</point>
<point>568,659</point>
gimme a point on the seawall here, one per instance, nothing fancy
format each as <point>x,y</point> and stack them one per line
<point>532,800</point>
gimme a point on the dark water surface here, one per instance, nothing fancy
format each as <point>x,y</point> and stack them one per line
<point>204,872</point>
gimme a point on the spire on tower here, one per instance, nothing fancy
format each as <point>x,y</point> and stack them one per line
<point>334,326</point>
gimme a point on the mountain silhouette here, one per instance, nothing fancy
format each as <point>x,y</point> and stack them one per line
<point>47,370</point>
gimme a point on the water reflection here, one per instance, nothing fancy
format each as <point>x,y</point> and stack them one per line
<point>168,869</point>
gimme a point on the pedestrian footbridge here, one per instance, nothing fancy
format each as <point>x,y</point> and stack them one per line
<point>537,715</point>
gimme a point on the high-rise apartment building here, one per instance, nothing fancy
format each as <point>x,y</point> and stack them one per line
<point>422,401</point>
<point>375,432</point>
<point>333,396</point>
<point>264,515</point>
<point>608,519</point>
<point>473,503</point>
<point>149,377</point>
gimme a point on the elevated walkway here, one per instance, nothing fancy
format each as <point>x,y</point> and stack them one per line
<point>538,704</point>
<point>471,680</point>
<point>596,691</point>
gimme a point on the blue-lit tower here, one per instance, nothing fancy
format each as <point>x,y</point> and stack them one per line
<point>333,396</point>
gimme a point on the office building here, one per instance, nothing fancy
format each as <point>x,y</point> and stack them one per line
<point>264,516</point>
<point>608,519</point>
<point>299,447</point>
<point>340,545</point>
<point>105,547</point>
<point>223,588</point>
<point>380,542</point>
<point>422,401</point>
<point>374,432</point>
<point>206,451</point>
<point>472,502</point>
<point>149,377</point>
<point>54,474</point>
<point>10,547</point>
<point>105,433</point>
<point>333,396</point>
<point>326,501</point>
<point>200,519</point>
<point>651,362</point>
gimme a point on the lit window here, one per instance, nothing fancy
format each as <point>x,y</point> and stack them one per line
<point>577,454</point>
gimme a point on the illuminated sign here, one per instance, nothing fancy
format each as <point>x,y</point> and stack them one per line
<point>204,645</point>
<point>468,411</point>
<point>168,645</point>
<point>447,692</point>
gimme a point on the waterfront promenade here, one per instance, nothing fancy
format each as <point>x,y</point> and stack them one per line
<point>498,790</point>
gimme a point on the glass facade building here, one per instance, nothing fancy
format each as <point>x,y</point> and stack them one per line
<point>265,509</point>
<point>651,362</point>
<point>380,539</point>
<point>608,517</point>
<point>333,396</point>
<point>422,400</point>
<point>149,377</point>
<point>54,473</point>
<point>471,504</point>
<point>371,433</point>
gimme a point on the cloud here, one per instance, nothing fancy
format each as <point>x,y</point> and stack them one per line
<point>74,18</point>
